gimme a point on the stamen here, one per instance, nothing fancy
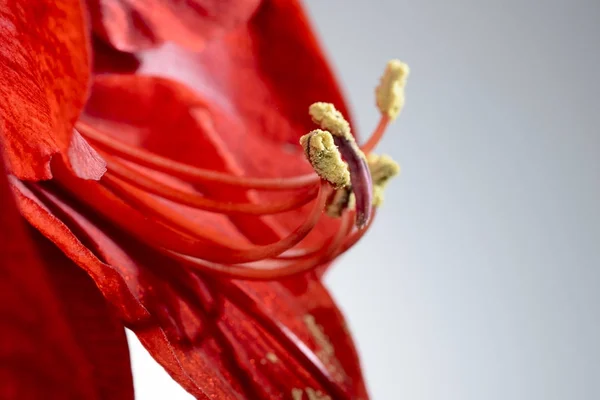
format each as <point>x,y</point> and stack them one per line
<point>342,235</point>
<point>263,271</point>
<point>219,251</point>
<point>355,237</point>
<point>376,136</point>
<point>193,199</point>
<point>171,233</point>
<point>114,208</point>
<point>325,158</point>
<point>390,99</point>
<point>187,172</point>
<point>390,92</point>
<point>383,169</point>
<point>328,118</point>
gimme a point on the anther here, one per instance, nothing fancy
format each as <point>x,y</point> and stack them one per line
<point>383,169</point>
<point>328,118</point>
<point>325,158</point>
<point>390,92</point>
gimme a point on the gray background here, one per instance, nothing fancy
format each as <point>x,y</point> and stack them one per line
<point>480,279</point>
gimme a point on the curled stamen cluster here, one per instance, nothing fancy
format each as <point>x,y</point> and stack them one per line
<point>325,157</point>
<point>390,92</point>
<point>142,186</point>
<point>334,124</point>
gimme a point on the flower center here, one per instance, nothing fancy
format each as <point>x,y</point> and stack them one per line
<point>332,151</point>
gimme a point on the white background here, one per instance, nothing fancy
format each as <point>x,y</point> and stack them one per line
<point>480,280</point>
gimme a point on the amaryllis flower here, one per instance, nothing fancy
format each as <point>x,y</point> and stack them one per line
<point>170,187</point>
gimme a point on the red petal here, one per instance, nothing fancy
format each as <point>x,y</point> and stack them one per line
<point>132,25</point>
<point>303,306</point>
<point>131,289</point>
<point>44,71</point>
<point>84,160</point>
<point>258,82</point>
<point>98,332</point>
<point>167,118</point>
<point>207,333</point>
<point>45,348</point>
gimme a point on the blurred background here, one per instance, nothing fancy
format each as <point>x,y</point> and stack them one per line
<point>480,278</point>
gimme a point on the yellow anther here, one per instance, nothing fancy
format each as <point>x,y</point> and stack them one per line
<point>383,169</point>
<point>328,118</point>
<point>390,92</point>
<point>378,196</point>
<point>325,158</point>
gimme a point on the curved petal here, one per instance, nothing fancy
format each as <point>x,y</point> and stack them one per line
<point>133,25</point>
<point>218,339</point>
<point>143,301</point>
<point>44,71</point>
<point>53,341</point>
<point>98,332</point>
<point>304,306</point>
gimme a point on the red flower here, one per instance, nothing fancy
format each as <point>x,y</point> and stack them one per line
<point>147,184</point>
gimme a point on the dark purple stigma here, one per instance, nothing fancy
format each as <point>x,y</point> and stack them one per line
<point>360,177</point>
